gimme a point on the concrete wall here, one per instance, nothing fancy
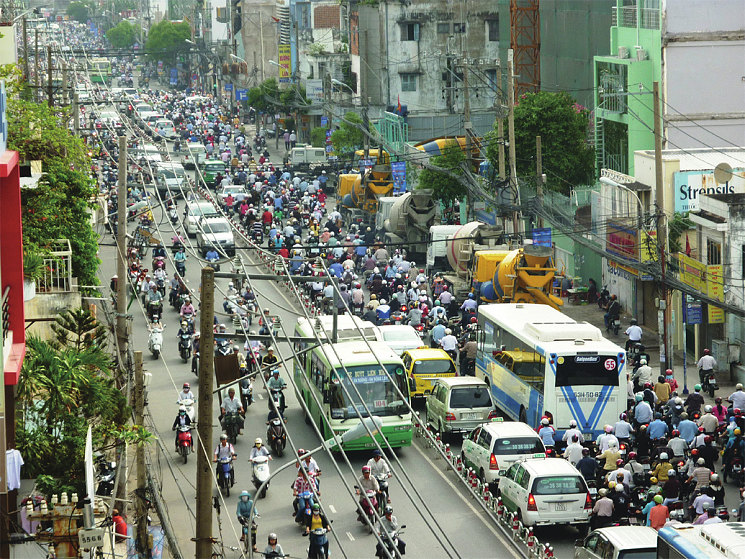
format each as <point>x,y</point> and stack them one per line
<point>48,305</point>
<point>704,15</point>
<point>257,19</point>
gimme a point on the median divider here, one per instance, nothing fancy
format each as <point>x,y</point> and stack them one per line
<point>522,537</point>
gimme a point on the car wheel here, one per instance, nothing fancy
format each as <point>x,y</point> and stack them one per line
<point>463,459</point>
<point>481,475</point>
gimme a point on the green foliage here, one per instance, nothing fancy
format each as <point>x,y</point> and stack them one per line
<point>446,189</point>
<point>348,137</point>
<point>290,124</point>
<point>293,98</point>
<point>60,392</point>
<point>166,38</point>
<point>679,224</point>
<point>318,137</point>
<point>124,35</point>
<point>78,329</point>
<point>562,124</point>
<point>33,264</point>
<point>79,11</point>
<point>259,96</point>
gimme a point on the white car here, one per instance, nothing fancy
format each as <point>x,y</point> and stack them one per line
<point>194,212</point>
<point>400,337</point>
<point>238,191</point>
<point>618,542</point>
<point>215,232</point>
<point>546,491</point>
<point>194,154</point>
<point>164,127</point>
<point>493,447</point>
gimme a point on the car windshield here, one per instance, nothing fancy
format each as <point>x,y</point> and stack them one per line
<point>558,485</point>
<point>215,167</point>
<point>518,445</point>
<point>434,367</point>
<point>378,393</point>
<point>218,227</point>
<point>470,397</point>
<point>202,209</point>
<point>402,335</point>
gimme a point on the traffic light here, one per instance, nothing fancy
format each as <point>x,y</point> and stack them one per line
<point>237,16</point>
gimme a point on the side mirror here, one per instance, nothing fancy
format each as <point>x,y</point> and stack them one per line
<point>412,384</point>
<point>579,543</point>
<point>403,526</point>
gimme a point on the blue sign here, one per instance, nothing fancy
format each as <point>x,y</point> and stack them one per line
<point>542,237</point>
<point>365,164</point>
<point>3,119</point>
<point>228,87</point>
<point>398,170</point>
<point>241,94</point>
<point>693,312</point>
<point>324,120</point>
<point>174,76</point>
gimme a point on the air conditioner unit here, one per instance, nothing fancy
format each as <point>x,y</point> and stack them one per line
<point>623,52</point>
<point>641,54</point>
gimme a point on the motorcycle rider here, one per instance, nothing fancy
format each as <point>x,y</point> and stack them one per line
<point>379,467</point>
<point>231,404</point>
<point>180,257</point>
<point>225,450</point>
<point>643,374</point>
<point>694,401</point>
<point>258,449</point>
<point>318,520</point>
<point>186,393</point>
<point>184,329</point>
<point>387,526</point>
<point>242,511</point>
<point>612,311</point>
<point>182,419</point>
<point>366,483</point>
<point>735,448</point>
<point>153,297</point>
<point>187,308</point>
<point>273,549</point>
<point>449,344</point>
<point>303,484</point>
<point>706,365</point>
<point>634,332</point>
<point>737,397</point>
<point>311,466</point>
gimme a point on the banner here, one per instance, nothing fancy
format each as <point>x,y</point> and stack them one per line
<point>690,186</point>
<point>648,246</point>
<point>314,91</point>
<point>542,237</point>
<point>693,312</point>
<point>285,63</point>
<point>398,169</point>
<point>692,272</point>
<point>715,290</point>
<point>622,241</point>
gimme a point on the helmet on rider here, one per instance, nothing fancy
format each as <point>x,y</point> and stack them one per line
<point>707,351</point>
<point>223,437</point>
<point>632,455</point>
<point>365,469</point>
<point>187,386</point>
<point>572,423</point>
<point>182,410</point>
<point>245,495</point>
<point>663,456</point>
<point>658,499</point>
<point>388,510</point>
<point>544,421</point>
<point>258,442</point>
<point>272,537</point>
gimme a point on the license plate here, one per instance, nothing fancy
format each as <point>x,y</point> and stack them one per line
<point>561,506</point>
<point>469,415</point>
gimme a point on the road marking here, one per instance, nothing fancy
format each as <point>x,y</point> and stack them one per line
<point>478,512</point>
<point>332,509</point>
<point>350,536</point>
<point>260,395</point>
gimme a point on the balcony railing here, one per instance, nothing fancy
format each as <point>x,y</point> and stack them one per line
<point>57,268</point>
<point>626,16</point>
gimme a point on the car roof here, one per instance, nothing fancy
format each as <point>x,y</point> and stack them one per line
<point>509,429</point>
<point>630,537</point>
<point>398,327</point>
<point>549,466</point>
<point>427,353</point>
<point>463,381</point>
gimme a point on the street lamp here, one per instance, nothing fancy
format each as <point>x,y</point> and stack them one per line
<point>342,84</point>
<point>371,425</point>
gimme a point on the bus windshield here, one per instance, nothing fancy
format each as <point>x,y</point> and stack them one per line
<point>587,370</point>
<point>378,392</point>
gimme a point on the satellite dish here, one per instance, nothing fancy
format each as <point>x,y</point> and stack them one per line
<point>723,173</point>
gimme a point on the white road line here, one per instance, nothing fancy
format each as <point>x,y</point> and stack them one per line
<point>332,509</point>
<point>479,513</point>
<point>260,395</point>
<point>350,536</point>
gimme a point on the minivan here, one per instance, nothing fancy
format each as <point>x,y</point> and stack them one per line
<point>458,405</point>
<point>618,542</point>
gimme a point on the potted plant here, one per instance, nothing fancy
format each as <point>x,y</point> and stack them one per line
<point>33,271</point>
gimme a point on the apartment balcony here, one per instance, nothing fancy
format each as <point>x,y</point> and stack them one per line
<point>645,16</point>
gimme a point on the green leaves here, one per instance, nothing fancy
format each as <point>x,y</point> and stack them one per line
<point>166,38</point>
<point>124,35</point>
<point>260,97</point>
<point>79,11</point>
<point>318,137</point>
<point>445,188</point>
<point>349,136</point>
<point>568,158</point>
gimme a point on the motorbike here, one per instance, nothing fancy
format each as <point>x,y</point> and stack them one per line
<point>710,383</point>
<point>249,540</point>
<point>278,397</point>
<point>189,405</point>
<point>184,441</point>
<point>318,540</point>
<point>154,309</point>
<point>398,316</point>
<point>383,501</point>
<point>259,474</point>
<point>161,283</point>
<point>232,424</point>
<point>213,263</point>
<point>247,390</point>
<point>195,362</point>
<point>225,474</point>
<point>614,325</point>
<point>105,475</point>
<point>358,308</point>
<point>155,341</point>
<point>390,541</point>
<point>181,268</point>
<point>159,262</point>
<point>369,506</point>
<point>189,318</point>
<point>603,297</point>
<point>173,216</point>
<point>184,346</point>
<point>276,436</point>
<point>301,515</point>
<point>223,347</point>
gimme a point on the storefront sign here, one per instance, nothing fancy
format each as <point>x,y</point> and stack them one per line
<point>693,312</point>
<point>648,250</point>
<point>715,290</point>
<point>398,169</point>
<point>285,63</point>
<point>314,91</point>
<point>622,241</point>
<point>690,186</point>
<point>692,272</point>
<point>542,237</point>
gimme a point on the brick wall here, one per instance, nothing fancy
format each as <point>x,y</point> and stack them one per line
<point>326,17</point>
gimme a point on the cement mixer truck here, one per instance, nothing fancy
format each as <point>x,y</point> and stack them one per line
<point>409,220</point>
<point>461,249</point>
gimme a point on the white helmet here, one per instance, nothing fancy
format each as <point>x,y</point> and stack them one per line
<point>448,331</point>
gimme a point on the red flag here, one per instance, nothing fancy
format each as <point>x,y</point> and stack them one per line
<point>398,109</point>
<point>688,246</point>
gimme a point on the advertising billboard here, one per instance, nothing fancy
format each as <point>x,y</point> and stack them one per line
<point>690,186</point>
<point>285,63</point>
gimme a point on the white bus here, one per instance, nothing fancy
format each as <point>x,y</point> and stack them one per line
<point>708,541</point>
<point>348,328</point>
<point>537,359</point>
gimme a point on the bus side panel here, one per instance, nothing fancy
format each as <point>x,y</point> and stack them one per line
<point>398,433</point>
<point>509,393</point>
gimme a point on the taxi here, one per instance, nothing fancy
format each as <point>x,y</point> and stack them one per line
<point>424,365</point>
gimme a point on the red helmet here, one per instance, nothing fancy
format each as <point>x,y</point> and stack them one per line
<point>676,432</point>
<point>474,320</point>
<point>632,455</point>
<point>707,351</point>
<point>737,412</point>
<point>694,452</point>
<point>444,287</point>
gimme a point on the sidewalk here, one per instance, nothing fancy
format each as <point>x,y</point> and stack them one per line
<point>592,314</point>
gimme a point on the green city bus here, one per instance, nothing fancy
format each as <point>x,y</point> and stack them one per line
<point>330,368</point>
<point>99,69</point>
<point>211,168</point>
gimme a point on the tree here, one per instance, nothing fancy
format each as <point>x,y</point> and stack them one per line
<point>445,189</point>
<point>318,137</point>
<point>166,38</point>
<point>124,35</point>
<point>293,99</point>
<point>261,97</point>
<point>568,159</point>
<point>78,329</point>
<point>79,11</point>
<point>349,136</point>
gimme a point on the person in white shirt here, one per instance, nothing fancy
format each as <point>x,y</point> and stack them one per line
<point>737,397</point>
<point>706,365</point>
<point>573,451</point>
<point>634,332</point>
<point>623,429</point>
<point>571,432</point>
<point>604,441</point>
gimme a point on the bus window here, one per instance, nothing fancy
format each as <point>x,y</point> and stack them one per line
<point>587,370</point>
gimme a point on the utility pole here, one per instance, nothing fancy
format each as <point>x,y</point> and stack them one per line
<point>663,313</point>
<point>64,84</point>
<point>469,133</point>
<point>204,425</point>
<point>500,125</point>
<point>511,131</point>
<point>25,51</point>
<point>363,94</point>
<point>327,97</point>
<point>49,76</point>
<point>37,78</point>
<point>261,36</point>
<point>539,176</point>
<point>142,542</point>
<point>76,114</point>
<point>121,261</point>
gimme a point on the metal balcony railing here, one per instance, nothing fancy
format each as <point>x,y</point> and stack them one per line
<point>627,16</point>
<point>57,268</point>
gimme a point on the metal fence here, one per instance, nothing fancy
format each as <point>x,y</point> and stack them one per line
<point>57,268</point>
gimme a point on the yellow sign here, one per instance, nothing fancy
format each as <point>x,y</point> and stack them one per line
<point>715,290</point>
<point>285,63</point>
<point>692,272</point>
<point>648,249</point>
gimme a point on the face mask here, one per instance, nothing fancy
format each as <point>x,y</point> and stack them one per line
<point>244,499</point>
<point>182,413</point>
